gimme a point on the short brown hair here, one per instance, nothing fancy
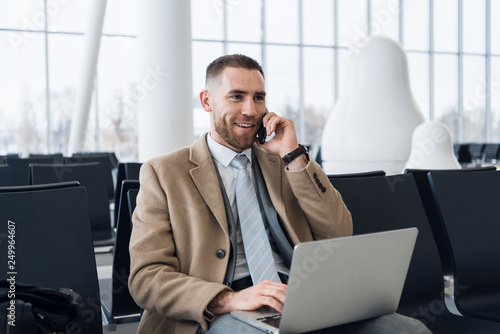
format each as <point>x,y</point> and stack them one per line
<point>237,60</point>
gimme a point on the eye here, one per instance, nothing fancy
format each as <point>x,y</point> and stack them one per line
<point>237,96</point>
<point>259,98</point>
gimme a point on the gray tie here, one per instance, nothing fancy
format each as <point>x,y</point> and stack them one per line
<point>255,241</point>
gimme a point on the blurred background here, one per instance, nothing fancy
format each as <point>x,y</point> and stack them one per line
<point>453,50</point>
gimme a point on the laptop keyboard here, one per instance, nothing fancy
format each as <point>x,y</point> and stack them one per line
<point>271,320</point>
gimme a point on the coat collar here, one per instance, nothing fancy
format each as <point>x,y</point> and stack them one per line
<point>204,177</point>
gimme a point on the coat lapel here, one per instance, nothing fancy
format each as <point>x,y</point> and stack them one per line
<point>205,178</point>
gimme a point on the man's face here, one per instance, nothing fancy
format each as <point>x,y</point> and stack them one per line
<point>237,105</point>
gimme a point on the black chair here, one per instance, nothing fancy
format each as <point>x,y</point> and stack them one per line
<point>463,154</point>
<point>92,176</point>
<point>126,171</point>
<point>111,155</point>
<point>392,202</point>
<point>431,211</point>
<point>354,175</point>
<point>491,153</point>
<point>468,208</point>
<point>8,155</point>
<point>53,243</point>
<point>470,153</point>
<point>319,158</point>
<point>119,307</point>
<point>19,169</point>
<point>477,152</point>
<point>102,158</point>
<point>57,157</point>
<point>132,197</point>
<point>5,175</point>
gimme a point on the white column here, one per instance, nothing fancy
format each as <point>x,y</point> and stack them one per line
<point>88,67</point>
<point>164,89</point>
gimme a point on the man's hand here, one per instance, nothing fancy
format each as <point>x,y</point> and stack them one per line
<point>265,293</point>
<point>284,140</point>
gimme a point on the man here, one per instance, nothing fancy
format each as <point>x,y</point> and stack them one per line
<point>190,265</point>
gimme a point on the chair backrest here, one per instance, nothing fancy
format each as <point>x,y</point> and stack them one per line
<point>463,153</point>
<point>122,302</point>
<point>431,211</point>
<point>9,155</point>
<point>132,170</point>
<point>53,242</point>
<point>111,156</point>
<point>46,186</point>
<point>468,208</point>
<point>471,154</point>
<point>126,171</point>
<point>57,157</point>
<point>103,159</point>
<point>354,175</point>
<point>19,169</point>
<point>91,176</point>
<point>477,152</point>
<point>132,197</point>
<point>491,152</point>
<point>5,175</point>
<point>392,202</point>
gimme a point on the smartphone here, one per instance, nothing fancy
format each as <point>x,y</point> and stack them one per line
<point>262,133</point>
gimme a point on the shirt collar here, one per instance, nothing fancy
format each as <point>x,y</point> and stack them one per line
<point>223,154</point>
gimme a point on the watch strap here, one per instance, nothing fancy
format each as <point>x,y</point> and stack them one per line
<point>287,158</point>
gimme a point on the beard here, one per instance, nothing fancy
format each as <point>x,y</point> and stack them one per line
<point>225,131</point>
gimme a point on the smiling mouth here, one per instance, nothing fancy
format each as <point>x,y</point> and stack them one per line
<point>244,125</point>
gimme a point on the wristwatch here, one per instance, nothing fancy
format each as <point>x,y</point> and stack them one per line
<point>208,314</point>
<point>287,158</point>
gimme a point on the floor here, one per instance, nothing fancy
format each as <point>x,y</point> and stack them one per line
<point>104,260</point>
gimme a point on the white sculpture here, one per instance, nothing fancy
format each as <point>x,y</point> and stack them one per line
<point>371,125</point>
<point>432,147</point>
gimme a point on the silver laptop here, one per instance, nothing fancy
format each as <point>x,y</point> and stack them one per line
<point>338,281</point>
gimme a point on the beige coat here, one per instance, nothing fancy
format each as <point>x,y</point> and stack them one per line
<point>180,226</point>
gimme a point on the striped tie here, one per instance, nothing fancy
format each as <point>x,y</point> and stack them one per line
<point>255,241</point>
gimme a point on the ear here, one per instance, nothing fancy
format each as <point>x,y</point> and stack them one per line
<point>205,100</point>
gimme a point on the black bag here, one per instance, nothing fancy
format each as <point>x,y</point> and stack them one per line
<point>39,310</point>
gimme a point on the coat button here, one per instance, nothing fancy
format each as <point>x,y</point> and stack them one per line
<point>220,253</point>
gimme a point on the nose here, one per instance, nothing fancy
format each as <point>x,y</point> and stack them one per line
<point>249,108</point>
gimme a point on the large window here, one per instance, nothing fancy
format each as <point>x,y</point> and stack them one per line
<point>453,49</point>
<point>41,45</point>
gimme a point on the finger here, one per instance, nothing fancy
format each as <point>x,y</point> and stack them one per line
<point>267,116</point>
<point>275,285</point>
<point>266,293</point>
<point>270,301</point>
<point>274,290</point>
<point>269,283</point>
<point>272,123</point>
